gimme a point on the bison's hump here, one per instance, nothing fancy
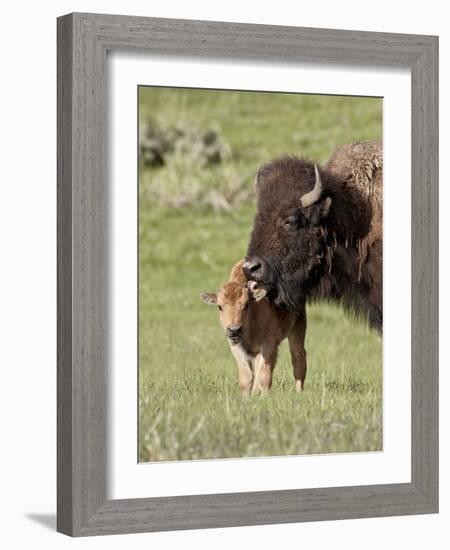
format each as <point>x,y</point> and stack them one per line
<point>359,164</point>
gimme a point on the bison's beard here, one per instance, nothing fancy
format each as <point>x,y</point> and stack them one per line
<point>290,294</point>
<point>285,290</point>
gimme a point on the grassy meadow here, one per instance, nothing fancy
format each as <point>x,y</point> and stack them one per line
<point>195,217</point>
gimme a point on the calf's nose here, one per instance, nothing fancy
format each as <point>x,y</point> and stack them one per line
<point>233,330</point>
<point>253,268</point>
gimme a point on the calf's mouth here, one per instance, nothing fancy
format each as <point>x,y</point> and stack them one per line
<point>234,335</point>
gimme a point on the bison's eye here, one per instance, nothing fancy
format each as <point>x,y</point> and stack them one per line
<point>291,222</point>
<point>220,308</point>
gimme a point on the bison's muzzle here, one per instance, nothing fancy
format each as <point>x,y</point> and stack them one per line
<point>254,269</point>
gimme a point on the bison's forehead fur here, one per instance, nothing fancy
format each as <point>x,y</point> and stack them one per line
<point>282,182</point>
<point>279,186</point>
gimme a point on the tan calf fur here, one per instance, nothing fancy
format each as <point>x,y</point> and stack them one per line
<point>255,328</point>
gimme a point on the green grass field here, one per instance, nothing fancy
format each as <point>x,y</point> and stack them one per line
<point>189,401</point>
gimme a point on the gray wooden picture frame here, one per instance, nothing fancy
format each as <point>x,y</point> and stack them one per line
<point>83,42</point>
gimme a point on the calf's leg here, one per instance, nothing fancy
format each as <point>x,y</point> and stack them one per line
<point>264,365</point>
<point>244,369</point>
<point>298,354</point>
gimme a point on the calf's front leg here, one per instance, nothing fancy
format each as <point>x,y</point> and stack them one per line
<point>245,371</point>
<point>264,365</point>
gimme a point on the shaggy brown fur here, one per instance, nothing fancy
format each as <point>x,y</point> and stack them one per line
<point>332,249</point>
<point>255,328</point>
<point>361,166</point>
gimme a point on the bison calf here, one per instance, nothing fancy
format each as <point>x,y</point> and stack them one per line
<point>255,328</point>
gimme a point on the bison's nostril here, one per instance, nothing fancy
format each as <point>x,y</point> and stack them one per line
<point>252,268</point>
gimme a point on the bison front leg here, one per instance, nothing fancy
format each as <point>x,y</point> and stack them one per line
<point>264,365</point>
<point>298,354</point>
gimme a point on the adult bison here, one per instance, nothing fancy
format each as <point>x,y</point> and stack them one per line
<point>318,232</point>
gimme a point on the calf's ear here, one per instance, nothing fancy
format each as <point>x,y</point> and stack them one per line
<point>209,297</point>
<point>319,211</point>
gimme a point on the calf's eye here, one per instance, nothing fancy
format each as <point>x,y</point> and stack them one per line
<point>220,308</point>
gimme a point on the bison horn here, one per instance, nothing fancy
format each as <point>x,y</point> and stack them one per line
<point>313,196</point>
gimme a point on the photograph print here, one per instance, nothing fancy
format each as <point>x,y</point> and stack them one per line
<point>260,274</point>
